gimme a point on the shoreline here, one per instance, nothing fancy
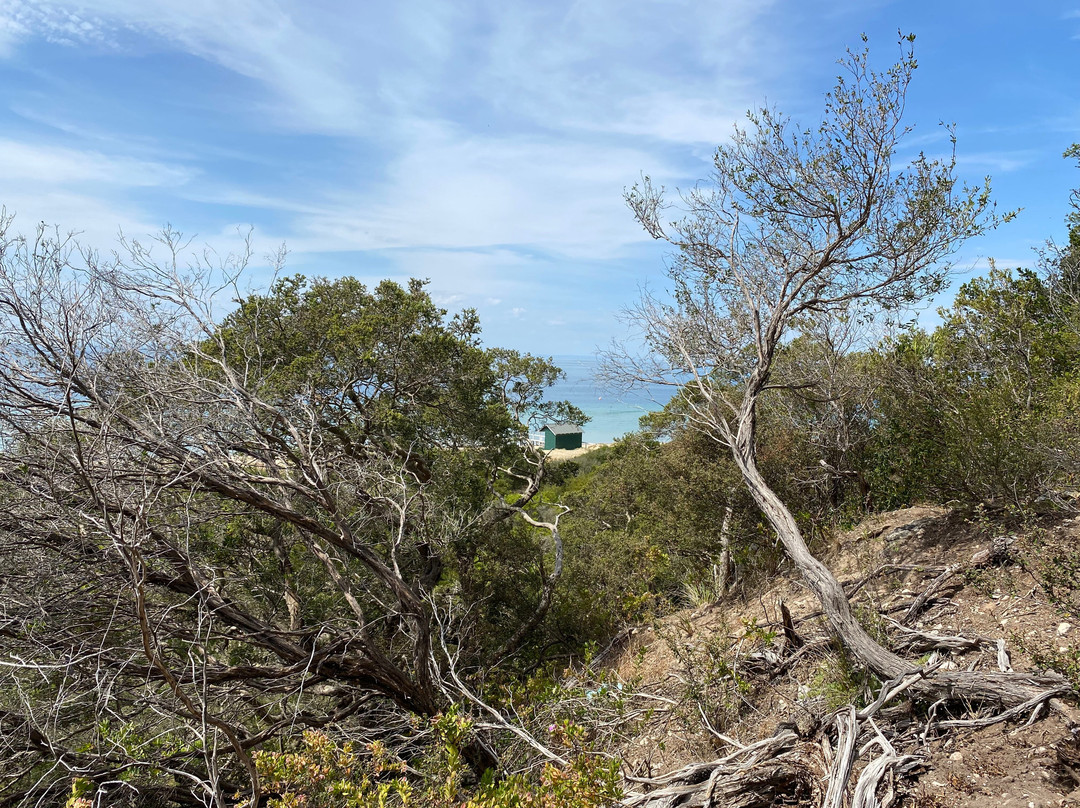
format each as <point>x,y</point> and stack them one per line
<point>569,454</point>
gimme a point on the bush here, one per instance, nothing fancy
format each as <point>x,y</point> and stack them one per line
<point>323,774</point>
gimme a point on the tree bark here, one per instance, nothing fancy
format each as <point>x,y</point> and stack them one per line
<point>727,572</point>
<point>1008,689</point>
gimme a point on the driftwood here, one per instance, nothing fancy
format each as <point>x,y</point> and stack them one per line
<point>847,733</point>
<point>782,767</point>
<point>794,763</point>
<point>916,641</point>
<point>754,776</point>
<point>935,586</point>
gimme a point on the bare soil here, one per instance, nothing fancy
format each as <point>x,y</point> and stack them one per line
<point>726,663</point>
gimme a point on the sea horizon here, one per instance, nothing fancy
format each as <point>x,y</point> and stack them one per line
<point>613,413</point>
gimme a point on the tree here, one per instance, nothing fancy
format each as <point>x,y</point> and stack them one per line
<point>218,531</point>
<point>984,407</point>
<point>1061,262</point>
<point>798,229</point>
<point>993,391</point>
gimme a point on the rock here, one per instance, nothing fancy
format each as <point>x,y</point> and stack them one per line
<point>1063,629</point>
<point>909,531</point>
<point>957,757</point>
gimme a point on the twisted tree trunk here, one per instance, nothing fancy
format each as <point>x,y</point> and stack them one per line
<point>1008,689</point>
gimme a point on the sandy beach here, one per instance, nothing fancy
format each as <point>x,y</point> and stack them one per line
<point>569,454</point>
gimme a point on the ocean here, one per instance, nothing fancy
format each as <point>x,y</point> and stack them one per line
<point>613,412</point>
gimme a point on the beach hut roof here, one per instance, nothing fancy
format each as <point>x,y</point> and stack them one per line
<point>562,429</point>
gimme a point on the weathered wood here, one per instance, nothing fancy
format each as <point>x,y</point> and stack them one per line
<point>751,777</point>
<point>865,793</point>
<point>1006,689</point>
<point>791,638</point>
<point>1003,661</point>
<point>921,641</point>
<point>726,576</point>
<point>915,609</point>
<point>847,731</point>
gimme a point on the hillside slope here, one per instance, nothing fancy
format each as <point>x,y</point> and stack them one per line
<point>728,674</point>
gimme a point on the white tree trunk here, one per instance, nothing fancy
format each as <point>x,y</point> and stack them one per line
<point>1008,689</point>
<point>726,576</point>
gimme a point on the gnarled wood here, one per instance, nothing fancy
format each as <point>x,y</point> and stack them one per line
<point>1006,689</point>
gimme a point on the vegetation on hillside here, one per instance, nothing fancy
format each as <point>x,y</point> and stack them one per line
<point>303,553</point>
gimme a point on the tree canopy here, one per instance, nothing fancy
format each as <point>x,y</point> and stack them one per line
<point>797,230</point>
<point>216,529</point>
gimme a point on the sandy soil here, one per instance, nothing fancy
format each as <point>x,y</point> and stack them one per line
<point>569,454</point>
<point>1021,767</point>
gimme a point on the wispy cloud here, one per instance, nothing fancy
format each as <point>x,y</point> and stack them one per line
<point>258,39</point>
<point>509,124</point>
<point>51,165</point>
<point>999,161</point>
<point>484,145</point>
<point>460,192</point>
<point>83,189</point>
<point>591,64</point>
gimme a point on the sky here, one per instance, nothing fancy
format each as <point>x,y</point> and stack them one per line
<point>485,145</point>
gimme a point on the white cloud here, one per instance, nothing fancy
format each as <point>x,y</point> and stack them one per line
<point>95,220</point>
<point>577,92</point>
<point>82,189</point>
<point>664,69</point>
<point>505,132</point>
<point>259,39</point>
<point>451,191</point>
<point>669,69</point>
<point>51,165</point>
<point>997,161</point>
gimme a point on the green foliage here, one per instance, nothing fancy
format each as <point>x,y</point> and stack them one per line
<point>983,408</point>
<point>715,686</point>
<point>82,794</point>
<point>316,487</point>
<point>1063,659</point>
<point>705,588</point>
<point>323,774</point>
<point>1053,560</point>
<point>381,367</point>
<point>841,681</point>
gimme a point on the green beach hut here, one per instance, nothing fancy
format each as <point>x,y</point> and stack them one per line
<point>562,436</point>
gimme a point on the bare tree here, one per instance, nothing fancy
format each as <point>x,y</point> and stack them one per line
<point>795,230</point>
<point>218,530</point>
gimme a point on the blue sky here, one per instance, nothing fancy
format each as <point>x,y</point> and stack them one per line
<point>485,144</point>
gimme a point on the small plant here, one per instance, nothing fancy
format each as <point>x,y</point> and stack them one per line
<point>705,591</point>
<point>1046,656</point>
<point>754,633</point>
<point>1055,563</point>
<point>324,774</point>
<point>82,793</point>
<point>715,688</point>
<point>841,682</point>
<point>871,619</point>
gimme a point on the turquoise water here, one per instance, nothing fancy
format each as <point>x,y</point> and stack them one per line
<point>613,413</point>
